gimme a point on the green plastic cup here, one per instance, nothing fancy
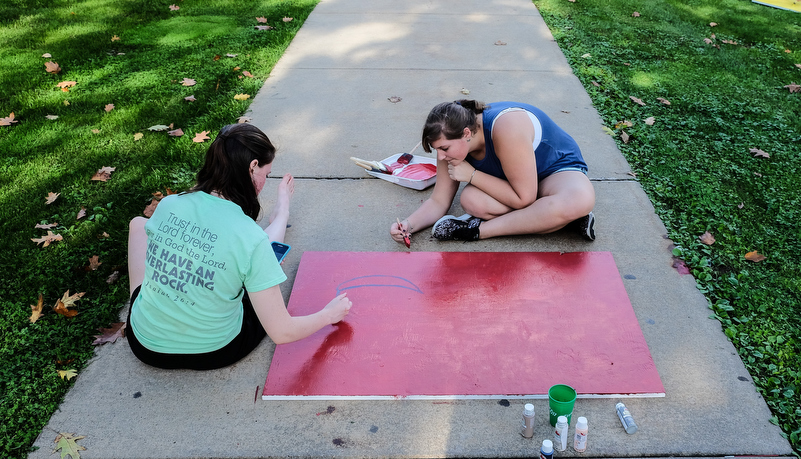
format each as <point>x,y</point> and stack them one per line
<point>561,399</point>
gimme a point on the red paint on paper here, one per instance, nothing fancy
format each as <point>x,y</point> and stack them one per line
<point>456,324</point>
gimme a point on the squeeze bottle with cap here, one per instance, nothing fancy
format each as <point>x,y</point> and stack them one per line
<point>528,421</point>
<point>580,440</point>
<point>625,418</point>
<point>560,434</point>
<point>546,452</point>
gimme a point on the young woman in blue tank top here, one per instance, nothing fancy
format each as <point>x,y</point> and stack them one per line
<point>523,173</point>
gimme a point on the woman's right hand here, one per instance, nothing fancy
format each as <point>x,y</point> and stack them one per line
<point>397,231</point>
<point>338,308</point>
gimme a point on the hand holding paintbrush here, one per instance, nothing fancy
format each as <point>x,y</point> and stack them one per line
<point>407,236</point>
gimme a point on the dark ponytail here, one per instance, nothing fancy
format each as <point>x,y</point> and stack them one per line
<point>449,119</point>
<point>227,167</point>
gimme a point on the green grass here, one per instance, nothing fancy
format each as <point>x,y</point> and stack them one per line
<point>695,163</point>
<point>140,74</point>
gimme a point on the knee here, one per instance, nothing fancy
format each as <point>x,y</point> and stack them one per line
<point>471,203</point>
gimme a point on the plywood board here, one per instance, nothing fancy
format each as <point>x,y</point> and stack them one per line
<point>464,325</point>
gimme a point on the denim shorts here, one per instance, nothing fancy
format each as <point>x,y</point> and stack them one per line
<point>583,170</point>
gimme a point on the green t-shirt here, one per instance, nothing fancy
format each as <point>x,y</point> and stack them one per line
<point>201,251</point>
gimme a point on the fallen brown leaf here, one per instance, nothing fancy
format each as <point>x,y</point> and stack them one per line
<point>46,226</point>
<point>176,132</point>
<point>500,43</point>
<point>174,7</point>
<point>247,74</point>
<point>8,120</point>
<point>261,20</point>
<point>624,136</point>
<point>81,213</point>
<point>287,19</point>
<point>707,238</point>
<point>36,310</point>
<point>792,87</point>
<point>68,301</point>
<point>758,153</point>
<point>394,99</point>
<point>635,14</point>
<point>755,256</point>
<point>262,27</point>
<point>138,136</point>
<point>94,263</point>
<point>188,82</point>
<point>51,117</point>
<point>650,121</point>
<point>52,67</point>
<point>190,98</point>
<point>51,197</point>
<point>103,174</point>
<point>65,85</point>
<point>663,100</point>
<point>244,119</point>
<point>115,38</point>
<point>242,97</point>
<point>108,107</point>
<point>713,24</point>
<point>111,334</point>
<point>201,137</point>
<point>113,277</point>
<point>48,238</point>
<point>636,100</point>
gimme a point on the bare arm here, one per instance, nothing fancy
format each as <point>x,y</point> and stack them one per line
<point>433,208</point>
<point>284,328</point>
<point>512,136</point>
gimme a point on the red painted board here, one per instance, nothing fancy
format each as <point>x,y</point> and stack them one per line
<point>464,325</point>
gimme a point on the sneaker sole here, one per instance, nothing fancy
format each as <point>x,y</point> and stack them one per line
<point>590,233</point>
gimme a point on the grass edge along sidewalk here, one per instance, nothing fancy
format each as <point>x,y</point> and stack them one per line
<point>94,87</point>
<point>703,101</point>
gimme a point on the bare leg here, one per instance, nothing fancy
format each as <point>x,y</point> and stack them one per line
<point>563,197</point>
<point>137,250</point>
<point>279,217</point>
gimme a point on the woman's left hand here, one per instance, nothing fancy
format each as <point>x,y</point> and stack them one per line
<point>461,172</point>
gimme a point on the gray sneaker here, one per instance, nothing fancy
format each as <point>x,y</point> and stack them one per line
<point>464,228</point>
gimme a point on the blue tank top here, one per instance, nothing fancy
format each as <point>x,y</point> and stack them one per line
<point>556,149</point>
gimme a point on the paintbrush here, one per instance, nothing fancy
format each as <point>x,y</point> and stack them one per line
<point>406,237</point>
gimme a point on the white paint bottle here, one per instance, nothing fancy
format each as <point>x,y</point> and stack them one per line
<point>560,434</point>
<point>580,440</point>
<point>528,421</point>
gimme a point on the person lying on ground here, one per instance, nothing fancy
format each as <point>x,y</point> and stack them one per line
<point>203,276</point>
<point>523,173</point>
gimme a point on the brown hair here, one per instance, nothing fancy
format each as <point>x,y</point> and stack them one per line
<point>227,167</point>
<point>449,119</point>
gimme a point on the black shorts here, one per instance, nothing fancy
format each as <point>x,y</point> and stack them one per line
<point>248,338</point>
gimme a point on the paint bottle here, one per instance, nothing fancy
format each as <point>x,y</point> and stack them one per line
<point>546,452</point>
<point>528,421</point>
<point>625,418</point>
<point>580,440</point>
<point>560,434</point>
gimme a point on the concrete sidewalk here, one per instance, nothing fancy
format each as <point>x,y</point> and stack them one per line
<point>327,100</point>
